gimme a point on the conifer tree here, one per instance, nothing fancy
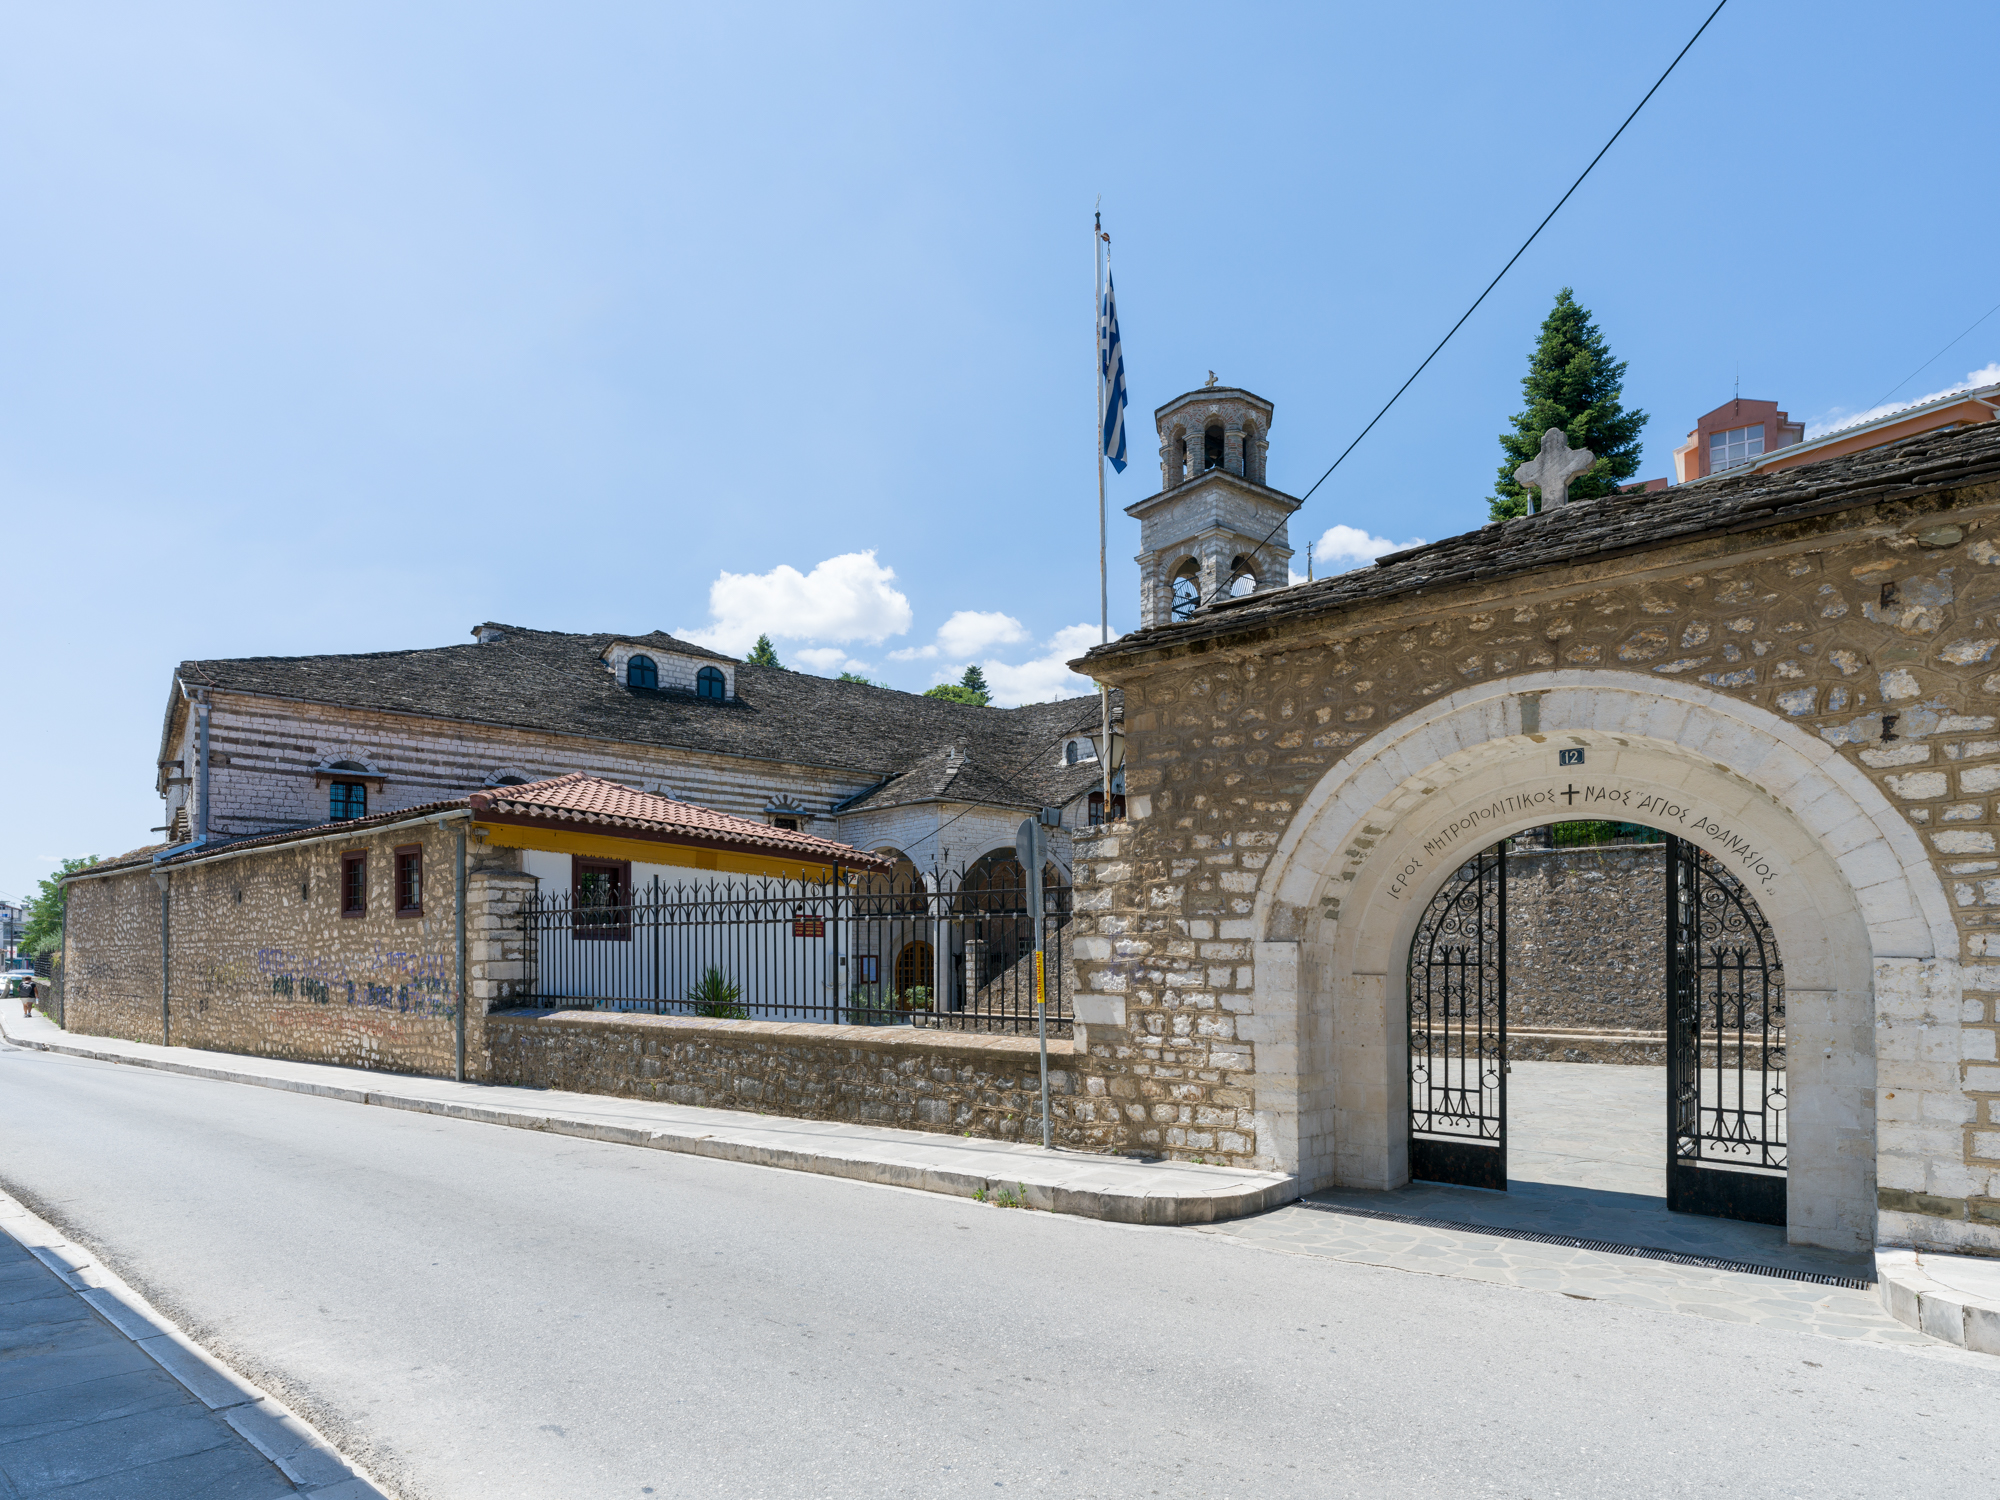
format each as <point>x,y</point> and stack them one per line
<point>1572,383</point>
<point>976,680</point>
<point>764,654</point>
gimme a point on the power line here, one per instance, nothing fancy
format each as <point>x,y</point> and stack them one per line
<point>1932,360</point>
<point>1496,281</point>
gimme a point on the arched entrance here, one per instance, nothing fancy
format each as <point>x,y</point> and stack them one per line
<point>1723,994</point>
<point>1840,876</point>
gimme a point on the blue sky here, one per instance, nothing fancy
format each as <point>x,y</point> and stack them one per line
<point>347,328</point>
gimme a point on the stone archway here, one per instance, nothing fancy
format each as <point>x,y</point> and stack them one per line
<point>1844,880</point>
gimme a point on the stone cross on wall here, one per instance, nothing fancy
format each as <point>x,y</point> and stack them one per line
<point>1554,467</point>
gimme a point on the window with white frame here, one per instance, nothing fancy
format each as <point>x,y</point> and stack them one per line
<point>1737,446</point>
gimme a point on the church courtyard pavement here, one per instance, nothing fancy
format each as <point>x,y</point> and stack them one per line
<point>1586,1162</point>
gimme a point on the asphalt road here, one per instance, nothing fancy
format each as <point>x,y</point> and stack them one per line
<point>487,1313</point>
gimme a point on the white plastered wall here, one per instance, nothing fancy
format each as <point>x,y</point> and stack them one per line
<point>1862,921</point>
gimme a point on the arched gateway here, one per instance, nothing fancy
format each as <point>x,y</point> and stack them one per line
<point>1841,879</point>
<point>1786,676</point>
<point>1722,990</point>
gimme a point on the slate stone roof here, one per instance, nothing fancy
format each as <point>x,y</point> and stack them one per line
<point>1592,530</point>
<point>555,682</point>
<point>130,858</point>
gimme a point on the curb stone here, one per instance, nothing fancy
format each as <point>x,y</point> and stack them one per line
<point>1914,1296</point>
<point>266,1423</point>
<point>1195,1195</point>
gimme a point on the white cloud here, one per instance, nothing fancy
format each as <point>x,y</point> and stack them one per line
<point>845,598</point>
<point>966,634</point>
<point>1048,675</point>
<point>1341,548</point>
<point>1839,417</point>
<point>826,661</point>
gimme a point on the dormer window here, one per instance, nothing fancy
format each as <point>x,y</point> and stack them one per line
<point>642,672</point>
<point>710,683</point>
<point>1069,752</point>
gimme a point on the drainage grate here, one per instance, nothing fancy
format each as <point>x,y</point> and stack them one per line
<point>1643,1252</point>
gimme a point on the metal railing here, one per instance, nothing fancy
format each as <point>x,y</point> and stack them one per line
<point>943,952</point>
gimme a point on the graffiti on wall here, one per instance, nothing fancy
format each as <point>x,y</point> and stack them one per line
<point>412,983</point>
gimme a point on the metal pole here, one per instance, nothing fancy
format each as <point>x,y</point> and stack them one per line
<point>1041,1004</point>
<point>1099,240</point>
<point>458,863</point>
<point>62,965</point>
<point>166,880</point>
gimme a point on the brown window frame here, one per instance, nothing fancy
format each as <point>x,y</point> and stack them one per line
<point>403,852</point>
<point>349,860</point>
<point>599,931</point>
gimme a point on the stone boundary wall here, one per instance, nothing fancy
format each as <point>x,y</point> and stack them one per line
<point>262,962</point>
<point>1586,939</point>
<point>951,1083</point>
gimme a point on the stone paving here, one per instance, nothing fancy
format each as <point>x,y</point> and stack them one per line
<point>1587,1160</point>
<point>86,1413</point>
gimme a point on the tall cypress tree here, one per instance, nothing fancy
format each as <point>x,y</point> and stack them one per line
<point>1572,383</point>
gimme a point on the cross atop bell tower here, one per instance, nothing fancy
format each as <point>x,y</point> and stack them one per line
<point>1203,536</point>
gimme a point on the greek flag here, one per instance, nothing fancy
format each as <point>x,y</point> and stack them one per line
<point>1111,378</point>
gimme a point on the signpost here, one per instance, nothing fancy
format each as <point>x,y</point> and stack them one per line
<point>1031,847</point>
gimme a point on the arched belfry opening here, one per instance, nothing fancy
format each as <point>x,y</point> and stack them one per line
<point>1216,530</point>
<point>1650,962</point>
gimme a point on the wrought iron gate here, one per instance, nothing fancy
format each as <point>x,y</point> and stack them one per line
<point>1725,1045</point>
<point>1458,1029</point>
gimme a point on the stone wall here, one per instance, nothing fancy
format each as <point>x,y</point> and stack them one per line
<point>952,1083</point>
<point>1874,629</point>
<point>262,961</point>
<point>1586,954</point>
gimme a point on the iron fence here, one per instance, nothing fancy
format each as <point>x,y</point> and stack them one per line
<point>952,953</point>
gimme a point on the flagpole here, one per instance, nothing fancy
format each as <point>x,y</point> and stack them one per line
<point>1099,241</point>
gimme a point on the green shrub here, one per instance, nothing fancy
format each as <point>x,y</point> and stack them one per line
<point>714,996</point>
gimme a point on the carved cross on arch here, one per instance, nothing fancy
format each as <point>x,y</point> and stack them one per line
<point>1554,467</point>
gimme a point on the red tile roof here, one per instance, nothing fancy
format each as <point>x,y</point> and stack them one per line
<point>606,806</point>
<point>575,800</point>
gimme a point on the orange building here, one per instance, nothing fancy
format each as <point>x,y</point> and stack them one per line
<point>1736,433</point>
<point>1755,435</point>
<point>1953,409</point>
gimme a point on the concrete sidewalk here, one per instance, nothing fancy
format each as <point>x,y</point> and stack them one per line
<point>100,1398</point>
<point>1059,1181</point>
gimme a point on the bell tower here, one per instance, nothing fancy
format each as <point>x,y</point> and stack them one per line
<point>1203,536</point>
